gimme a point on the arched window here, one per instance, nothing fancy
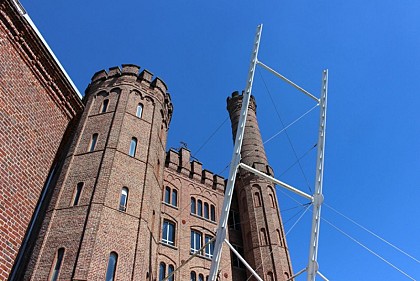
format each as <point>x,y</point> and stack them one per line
<point>257,199</point>
<point>270,276</point>
<point>193,276</point>
<point>162,271</point>
<point>167,198</point>
<point>112,265</point>
<point>212,213</point>
<point>199,208</point>
<point>139,111</point>
<point>200,277</point>
<point>133,146</point>
<point>55,270</point>
<point>272,200</point>
<point>93,141</point>
<point>263,236</point>
<point>170,270</point>
<point>77,193</point>
<point>168,232</point>
<point>123,199</point>
<point>193,205</point>
<point>174,197</point>
<point>104,107</point>
<point>206,210</point>
<point>279,237</point>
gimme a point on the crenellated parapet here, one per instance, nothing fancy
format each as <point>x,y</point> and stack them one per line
<point>130,74</point>
<point>180,161</point>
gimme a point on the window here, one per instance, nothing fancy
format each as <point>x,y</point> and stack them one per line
<point>200,277</point>
<point>170,196</point>
<point>195,241</point>
<point>170,270</point>
<point>112,265</point>
<point>167,198</point>
<point>77,193</point>
<point>263,236</point>
<point>212,213</point>
<point>279,237</point>
<point>270,276</point>
<point>55,270</point>
<point>206,210</point>
<point>93,141</point>
<point>174,197</point>
<point>123,199</point>
<point>168,233</point>
<point>272,200</point>
<point>209,247</point>
<point>193,276</point>
<point>199,208</point>
<point>104,107</point>
<point>257,199</point>
<point>234,220</point>
<point>193,205</point>
<point>234,258</point>
<point>139,111</point>
<point>162,271</point>
<point>133,146</point>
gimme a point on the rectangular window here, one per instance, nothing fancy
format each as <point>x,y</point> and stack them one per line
<point>234,221</point>
<point>93,141</point>
<point>209,247</point>
<point>196,238</point>
<point>168,233</point>
<point>234,259</point>
<point>77,194</point>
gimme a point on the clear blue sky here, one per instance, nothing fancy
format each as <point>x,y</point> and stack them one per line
<point>201,49</point>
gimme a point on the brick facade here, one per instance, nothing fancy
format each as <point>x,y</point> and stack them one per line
<point>36,106</point>
<point>66,166</point>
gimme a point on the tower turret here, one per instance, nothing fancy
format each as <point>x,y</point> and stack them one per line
<point>105,209</point>
<point>261,231</point>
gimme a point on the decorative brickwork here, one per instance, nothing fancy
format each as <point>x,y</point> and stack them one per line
<point>36,106</point>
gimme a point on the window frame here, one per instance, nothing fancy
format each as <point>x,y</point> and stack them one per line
<point>139,110</point>
<point>133,147</point>
<point>93,142</point>
<point>104,106</point>
<point>56,266</point>
<point>168,232</point>
<point>123,203</point>
<point>111,270</point>
<point>196,244</point>
<point>77,193</point>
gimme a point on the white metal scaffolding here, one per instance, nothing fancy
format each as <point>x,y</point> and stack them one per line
<point>316,199</point>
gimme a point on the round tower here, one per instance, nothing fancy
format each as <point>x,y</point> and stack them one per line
<point>262,231</point>
<point>106,204</point>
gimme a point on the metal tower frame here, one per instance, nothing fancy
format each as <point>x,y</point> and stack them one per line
<point>316,199</point>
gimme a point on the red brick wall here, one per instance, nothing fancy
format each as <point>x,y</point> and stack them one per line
<point>32,124</point>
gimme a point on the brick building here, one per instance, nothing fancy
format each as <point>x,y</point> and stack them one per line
<point>88,190</point>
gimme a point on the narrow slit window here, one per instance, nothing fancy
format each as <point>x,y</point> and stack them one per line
<point>93,141</point>
<point>272,201</point>
<point>193,209</point>
<point>112,265</point>
<point>77,194</point>
<point>212,213</point>
<point>139,111</point>
<point>200,208</point>
<point>133,147</point>
<point>263,236</point>
<point>162,271</point>
<point>206,210</point>
<point>167,197</point>
<point>104,106</point>
<point>55,270</point>
<point>257,199</point>
<point>170,270</point>
<point>123,199</point>
<point>174,197</point>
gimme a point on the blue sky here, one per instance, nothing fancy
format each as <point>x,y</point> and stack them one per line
<point>202,50</point>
